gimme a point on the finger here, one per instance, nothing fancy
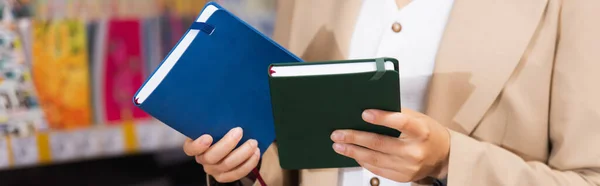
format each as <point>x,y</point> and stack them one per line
<point>240,171</point>
<point>407,123</point>
<point>377,142</point>
<point>198,146</point>
<point>236,158</point>
<point>365,155</point>
<point>386,173</point>
<point>222,148</point>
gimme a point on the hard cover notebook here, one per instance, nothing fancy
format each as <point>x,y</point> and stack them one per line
<point>61,71</point>
<point>213,80</point>
<point>122,71</point>
<point>311,100</point>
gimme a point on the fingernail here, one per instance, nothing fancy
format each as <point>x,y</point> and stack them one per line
<point>257,152</point>
<point>337,136</point>
<point>236,132</point>
<point>339,148</point>
<point>204,140</point>
<point>368,115</point>
<point>252,142</point>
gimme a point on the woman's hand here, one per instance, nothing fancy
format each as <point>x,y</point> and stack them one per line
<point>421,150</point>
<point>222,160</point>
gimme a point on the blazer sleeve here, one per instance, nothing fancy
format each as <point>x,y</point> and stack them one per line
<point>574,121</point>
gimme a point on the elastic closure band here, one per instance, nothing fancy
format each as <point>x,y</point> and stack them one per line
<point>204,27</point>
<point>380,71</point>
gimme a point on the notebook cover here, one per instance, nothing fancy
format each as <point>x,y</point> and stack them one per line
<point>176,27</point>
<point>122,72</point>
<point>91,31</point>
<point>61,71</point>
<point>151,44</point>
<point>21,114</point>
<point>307,109</point>
<point>165,33</point>
<point>97,69</point>
<point>218,81</point>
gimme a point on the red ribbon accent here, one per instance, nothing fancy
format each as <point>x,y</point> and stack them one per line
<point>258,177</point>
<point>271,72</point>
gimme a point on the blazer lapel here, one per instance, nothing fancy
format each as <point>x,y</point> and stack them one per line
<point>322,32</point>
<point>344,21</point>
<point>482,45</point>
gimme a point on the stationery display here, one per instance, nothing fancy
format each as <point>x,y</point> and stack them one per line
<point>69,70</point>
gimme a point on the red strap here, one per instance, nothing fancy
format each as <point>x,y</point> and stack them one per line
<point>258,177</point>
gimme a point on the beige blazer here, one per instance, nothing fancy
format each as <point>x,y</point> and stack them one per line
<point>517,82</point>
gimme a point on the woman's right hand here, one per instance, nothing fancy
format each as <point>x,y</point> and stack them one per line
<point>222,160</point>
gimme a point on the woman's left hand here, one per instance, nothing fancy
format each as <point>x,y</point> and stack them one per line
<point>421,150</point>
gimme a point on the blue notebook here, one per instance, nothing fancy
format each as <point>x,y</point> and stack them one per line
<point>216,79</point>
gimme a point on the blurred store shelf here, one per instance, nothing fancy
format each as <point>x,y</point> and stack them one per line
<point>95,142</point>
<point>65,95</point>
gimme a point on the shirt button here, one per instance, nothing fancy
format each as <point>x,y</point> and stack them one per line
<point>374,181</point>
<point>396,27</point>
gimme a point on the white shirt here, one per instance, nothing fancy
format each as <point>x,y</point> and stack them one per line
<point>415,47</point>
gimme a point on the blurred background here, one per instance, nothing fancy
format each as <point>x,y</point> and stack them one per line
<point>68,70</point>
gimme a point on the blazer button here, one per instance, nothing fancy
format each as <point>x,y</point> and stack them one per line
<point>374,181</point>
<point>396,27</point>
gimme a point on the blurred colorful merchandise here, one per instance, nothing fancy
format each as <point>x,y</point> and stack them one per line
<point>258,13</point>
<point>22,9</point>
<point>20,114</point>
<point>61,71</point>
<point>123,72</point>
<point>152,42</point>
<point>75,64</point>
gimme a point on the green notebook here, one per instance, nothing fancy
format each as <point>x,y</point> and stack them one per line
<point>310,100</point>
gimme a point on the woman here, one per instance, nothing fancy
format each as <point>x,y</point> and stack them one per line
<point>494,93</point>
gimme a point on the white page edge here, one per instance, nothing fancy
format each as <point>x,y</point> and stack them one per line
<point>327,69</point>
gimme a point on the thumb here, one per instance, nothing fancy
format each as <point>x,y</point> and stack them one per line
<point>407,123</point>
